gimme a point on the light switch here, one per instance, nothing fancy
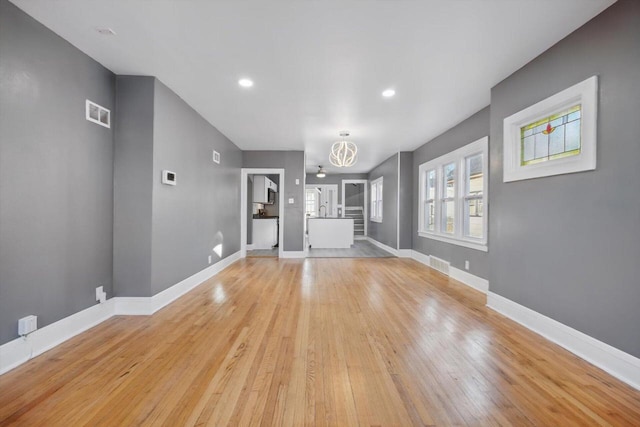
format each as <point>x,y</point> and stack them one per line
<point>297,181</point>
<point>291,200</point>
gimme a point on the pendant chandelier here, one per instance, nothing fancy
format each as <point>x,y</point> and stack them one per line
<point>343,153</point>
<point>321,172</point>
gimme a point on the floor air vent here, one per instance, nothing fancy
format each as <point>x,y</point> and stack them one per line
<point>439,264</point>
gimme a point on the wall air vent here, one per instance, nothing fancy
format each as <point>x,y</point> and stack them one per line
<point>439,264</point>
<point>98,114</point>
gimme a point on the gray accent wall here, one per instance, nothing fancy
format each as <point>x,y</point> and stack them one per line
<point>568,246</point>
<point>386,232</point>
<point>354,195</point>
<point>165,234</point>
<point>466,132</point>
<point>405,213</point>
<point>202,211</point>
<point>293,164</point>
<point>56,175</point>
<point>133,169</point>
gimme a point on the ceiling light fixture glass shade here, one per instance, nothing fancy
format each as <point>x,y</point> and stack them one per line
<point>343,154</point>
<point>321,172</point>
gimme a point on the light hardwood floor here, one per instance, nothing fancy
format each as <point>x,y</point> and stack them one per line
<point>321,342</point>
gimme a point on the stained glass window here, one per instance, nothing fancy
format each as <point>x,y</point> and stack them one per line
<point>551,138</point>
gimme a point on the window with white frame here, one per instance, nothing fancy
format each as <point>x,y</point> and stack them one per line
<point>311,202</point>
<point>554,136</point>
<point>453,194</point>
<point>376,200</point>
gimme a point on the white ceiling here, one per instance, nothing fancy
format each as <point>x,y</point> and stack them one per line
<point>319,67</point>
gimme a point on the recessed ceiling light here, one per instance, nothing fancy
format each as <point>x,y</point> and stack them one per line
<point>245,82</point>
<point>388,93</point>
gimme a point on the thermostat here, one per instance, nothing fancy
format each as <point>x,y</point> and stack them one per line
<point>168,177</point>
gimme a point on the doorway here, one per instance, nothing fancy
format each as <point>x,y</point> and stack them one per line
<point>261,212</point>
<point>354,205</point>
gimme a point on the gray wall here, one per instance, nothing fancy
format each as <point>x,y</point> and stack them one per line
<point>164,234</point>
<point>386,232</point>
<point>334,178</point>
<point>293,164</point>
<point>354,195</point>
<point>133,170</point>
<point>466,132</point>
<point>201,211</point>
<point>405,213</point>
<point>56,175</point>
<point>568,246</point>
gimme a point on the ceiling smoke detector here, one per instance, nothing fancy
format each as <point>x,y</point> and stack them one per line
<point>105,31</point>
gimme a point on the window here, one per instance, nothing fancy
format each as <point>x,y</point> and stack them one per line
<point>311,203</point>
<point>555,136</point>
<point>376,200</point>
<point>551,138</point>
<point>453,194</point>
<point>429,201</point>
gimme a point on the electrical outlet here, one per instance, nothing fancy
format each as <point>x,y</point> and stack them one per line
<point>291,200</point>
<point>101,295</point>
<point>26,325</point>
<point>209,259</point>
<point>466,265</point>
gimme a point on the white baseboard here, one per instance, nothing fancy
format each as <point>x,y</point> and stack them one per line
<point>169,295</point>
<point>405,253</point>
<point>360,237</point>
<point>420,257</point>
<point>464,277</point>
<point>476,282</point>
<point>383,246</point>
<point>16,352</point>
<point>616,362</point>
<point>250,247</point>
<point>294,254</point>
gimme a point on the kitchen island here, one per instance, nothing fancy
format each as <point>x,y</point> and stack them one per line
<point>330,233</point>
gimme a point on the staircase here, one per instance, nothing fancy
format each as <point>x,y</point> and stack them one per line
<point>356,213</point>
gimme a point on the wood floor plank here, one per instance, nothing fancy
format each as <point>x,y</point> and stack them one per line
<point>323,342</point>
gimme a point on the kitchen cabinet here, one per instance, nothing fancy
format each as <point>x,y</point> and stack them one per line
<point>264,233</point>
<point>261,187</point>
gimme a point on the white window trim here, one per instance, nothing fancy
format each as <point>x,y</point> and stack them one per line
<point>374,217</point>
<point>584,93</point>
<point>458,157</point>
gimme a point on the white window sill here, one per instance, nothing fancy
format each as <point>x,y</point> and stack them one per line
<point>466,243</point>
<point>379,221</point>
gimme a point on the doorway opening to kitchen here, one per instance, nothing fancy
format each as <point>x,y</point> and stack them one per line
<point>261,230</point>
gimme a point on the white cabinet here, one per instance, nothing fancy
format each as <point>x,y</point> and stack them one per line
<point>330,232</point>
<point>261,187</point>
<point>265,233</point>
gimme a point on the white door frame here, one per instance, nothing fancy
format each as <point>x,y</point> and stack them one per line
<point>365,182</point>
<point>244,173</point>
